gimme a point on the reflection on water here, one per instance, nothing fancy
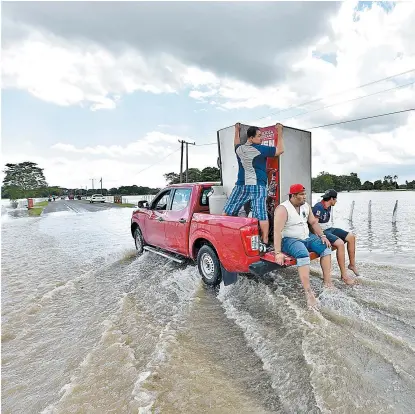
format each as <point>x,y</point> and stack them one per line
<point>395,235</point>
<point>370,236</point>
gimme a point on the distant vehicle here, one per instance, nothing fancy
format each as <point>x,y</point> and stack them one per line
<point>97,198</point>
<point>78,197</point>
<point>62,197</point>
<point>71,196</point>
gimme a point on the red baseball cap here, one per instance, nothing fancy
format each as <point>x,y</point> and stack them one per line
<point>296,188</point>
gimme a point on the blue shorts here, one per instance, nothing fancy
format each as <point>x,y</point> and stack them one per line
<point>257,194</point>
<point>299,249</point>
<point>334,234</point>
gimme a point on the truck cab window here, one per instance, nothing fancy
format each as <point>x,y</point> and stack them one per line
<point>181,199</point>
<point>161,202</point>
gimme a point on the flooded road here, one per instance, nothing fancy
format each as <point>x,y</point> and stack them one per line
<point>87,327</point>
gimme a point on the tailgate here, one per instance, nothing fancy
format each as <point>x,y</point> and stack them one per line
<point>267,263</point>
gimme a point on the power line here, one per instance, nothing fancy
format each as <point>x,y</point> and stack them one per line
<point>158,162</point>
<point>337,103</point>
<point>362,119</point>
<point>349,100</point>
<point>345,122</point>
<point>337,93</point>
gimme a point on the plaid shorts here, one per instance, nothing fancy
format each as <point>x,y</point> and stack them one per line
<point>257,194</point>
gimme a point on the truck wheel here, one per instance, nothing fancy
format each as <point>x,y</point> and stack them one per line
<point>139,241</point>
<point>209,266</point>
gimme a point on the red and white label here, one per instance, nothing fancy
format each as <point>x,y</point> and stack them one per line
<point>268,136</point>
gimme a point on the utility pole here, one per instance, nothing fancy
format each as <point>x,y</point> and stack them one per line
<point>187,159</point>
<point>92,183</point>
<point>101,184</point>
<point>181,160</point>
<point>182,142</point>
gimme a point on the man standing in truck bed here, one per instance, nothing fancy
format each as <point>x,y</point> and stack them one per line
<point>252,175</point>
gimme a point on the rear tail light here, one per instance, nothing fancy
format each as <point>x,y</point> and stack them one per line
<point>250,239</point>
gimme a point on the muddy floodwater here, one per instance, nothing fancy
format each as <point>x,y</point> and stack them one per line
<point>88,327</point>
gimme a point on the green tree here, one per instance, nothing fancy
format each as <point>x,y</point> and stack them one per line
<point>322,182</point>
<point>23,180</point>
<point>211,174</point>
<point>194,175</point>
<point>377,185</point>
<point>367,185</point>
<point>172,178</point>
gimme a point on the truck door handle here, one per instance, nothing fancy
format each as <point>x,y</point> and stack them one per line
<point>160,219</point>
<point>182,220</point>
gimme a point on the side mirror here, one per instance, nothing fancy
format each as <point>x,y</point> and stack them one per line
<point>143,204</point>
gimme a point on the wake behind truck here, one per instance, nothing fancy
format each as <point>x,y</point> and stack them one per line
<point>184,221</point>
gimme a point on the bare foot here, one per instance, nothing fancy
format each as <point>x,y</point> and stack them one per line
<point>349,280</point>
<point>328,285</point>
<point>312,302</point>
<point>354,269</point>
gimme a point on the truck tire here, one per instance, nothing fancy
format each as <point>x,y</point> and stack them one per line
<point>139,241</point>
<point>209,266</point>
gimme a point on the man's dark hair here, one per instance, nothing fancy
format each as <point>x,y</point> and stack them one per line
<point>329,194</point>
<point>252,131</point>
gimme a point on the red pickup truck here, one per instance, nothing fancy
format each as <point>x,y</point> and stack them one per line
<point>177,224</point>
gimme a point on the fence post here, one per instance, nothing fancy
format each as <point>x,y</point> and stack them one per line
<point>351,211</point>
<point>395,212</point>
<point>370,210</point>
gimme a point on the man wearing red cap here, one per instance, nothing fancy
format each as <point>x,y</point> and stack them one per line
<point>292,237</point>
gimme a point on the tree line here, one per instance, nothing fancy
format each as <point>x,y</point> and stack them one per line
<point>26,179</point>
<point>352,182</point>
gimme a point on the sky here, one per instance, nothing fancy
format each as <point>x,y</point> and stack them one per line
<point>106,89</point>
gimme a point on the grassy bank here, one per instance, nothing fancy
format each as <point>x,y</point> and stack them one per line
<point>37,209</point>
<point>125,205</point>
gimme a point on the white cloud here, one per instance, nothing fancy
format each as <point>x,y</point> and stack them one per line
<point>154,143</point>
<point>374,45</point>
<point>346,151</point>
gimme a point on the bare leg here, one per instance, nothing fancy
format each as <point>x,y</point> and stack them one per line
<point>341,260</point>
<point>351,250</point>
<point>325,263</point>
<point>264,225</point>
<point>304,272</point>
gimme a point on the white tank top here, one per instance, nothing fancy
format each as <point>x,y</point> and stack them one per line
<point>297,224</point>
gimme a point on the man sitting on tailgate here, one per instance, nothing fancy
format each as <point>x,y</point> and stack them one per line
<point>337,237</point>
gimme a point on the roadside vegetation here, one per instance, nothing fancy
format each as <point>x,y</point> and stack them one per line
<point>37,209</point>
